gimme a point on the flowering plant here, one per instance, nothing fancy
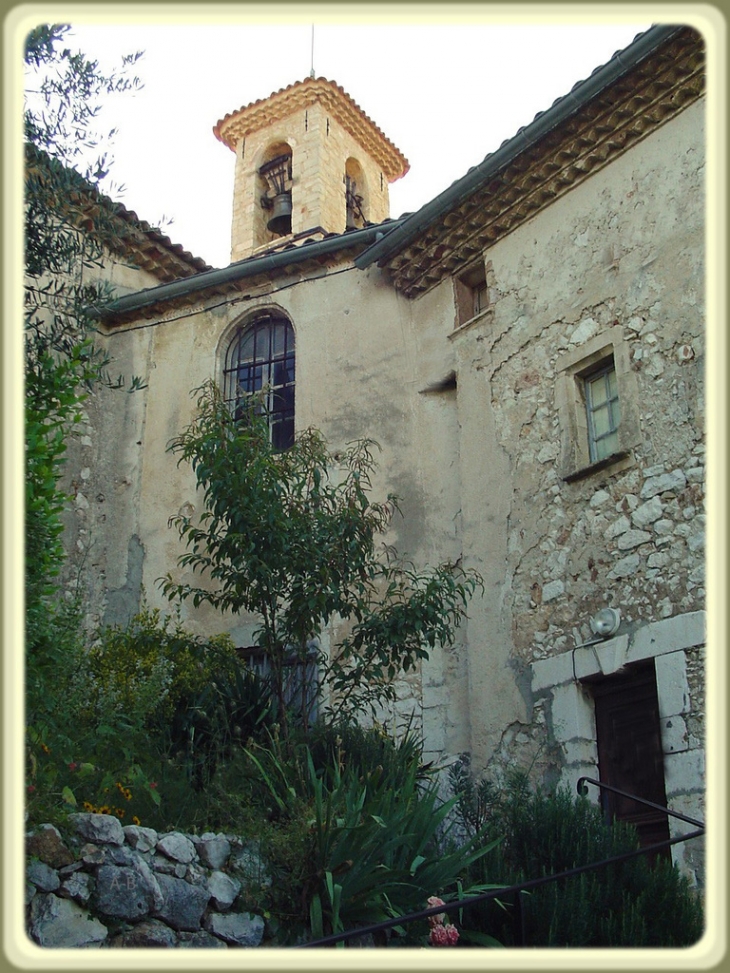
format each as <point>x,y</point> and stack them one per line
<point>443,933</point>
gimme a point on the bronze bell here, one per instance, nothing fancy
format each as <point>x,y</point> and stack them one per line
<point>280,221</point>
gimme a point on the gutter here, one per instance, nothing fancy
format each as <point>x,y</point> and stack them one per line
<point>250,267</point>
<point>583,92</point>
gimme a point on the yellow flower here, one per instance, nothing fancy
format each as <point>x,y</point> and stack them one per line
<point>88,806</point>
<point>105,809</point>
<point>135,820</point>
<point>45,749</point>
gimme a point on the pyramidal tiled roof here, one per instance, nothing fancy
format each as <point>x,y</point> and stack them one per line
<point>252,117</point>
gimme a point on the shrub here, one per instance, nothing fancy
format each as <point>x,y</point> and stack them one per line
<point>372,836</point>
<point>633,903</point>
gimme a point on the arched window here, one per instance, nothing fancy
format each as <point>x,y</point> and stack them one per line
<point>356,195</point>
<point>261,357</point>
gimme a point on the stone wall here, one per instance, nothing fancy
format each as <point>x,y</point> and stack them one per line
<point>106,886</point>
<point>614,272</point>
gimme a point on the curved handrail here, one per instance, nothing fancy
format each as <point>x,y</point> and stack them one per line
<point>524,886</point>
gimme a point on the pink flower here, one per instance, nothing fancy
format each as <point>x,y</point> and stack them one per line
<point>443,935</point>
<point>440,917</point>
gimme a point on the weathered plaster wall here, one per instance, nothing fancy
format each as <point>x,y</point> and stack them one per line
<point>622,251</point>
<point>103,469</point>
<point>471,431</point>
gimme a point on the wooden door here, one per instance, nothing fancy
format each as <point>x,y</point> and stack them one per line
<point>630,751</point>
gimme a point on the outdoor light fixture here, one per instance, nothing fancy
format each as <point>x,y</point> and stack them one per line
<point>606,622</point>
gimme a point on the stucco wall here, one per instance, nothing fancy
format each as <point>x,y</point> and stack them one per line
<point>618,259</point>
<point>472,429</point>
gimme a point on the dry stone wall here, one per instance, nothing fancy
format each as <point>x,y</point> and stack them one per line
<point>106,886</point>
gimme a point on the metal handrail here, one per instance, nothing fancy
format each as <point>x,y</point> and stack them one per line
<point>449,907</point>
<point>582,781</point>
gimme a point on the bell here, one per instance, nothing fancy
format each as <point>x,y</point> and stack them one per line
<point>280,221</point>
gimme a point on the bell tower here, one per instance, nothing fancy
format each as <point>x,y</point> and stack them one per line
<point>308,160</point>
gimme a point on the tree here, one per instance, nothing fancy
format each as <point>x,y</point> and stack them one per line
<point>290,536</point>
<point>69,225</point>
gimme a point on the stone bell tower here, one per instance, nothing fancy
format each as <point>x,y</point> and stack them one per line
<point>308,160</point>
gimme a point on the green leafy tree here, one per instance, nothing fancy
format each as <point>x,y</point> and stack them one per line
<point>291,537</point>
<point>69,226</point>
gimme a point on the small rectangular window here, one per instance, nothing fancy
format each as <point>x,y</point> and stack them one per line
<point>598,404</point>
<point>480,298</point>
<point>471,293</point>
<point>603,412</point>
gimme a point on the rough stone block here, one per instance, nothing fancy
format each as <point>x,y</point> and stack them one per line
<point>667,635</point>
<point>647,513</point>
<point>120,893</point>
<point>667,482</point>
<point>674,734</point>
<point>100,828</point>
<point>684,773</point>
<point>148,934</point>
<point>632,538</point>
<point>572,714</point>
<point>223,890</point>
<point>177,847</point>
<point>183,905</point>
<point>625,567</point>
<point>551,672</point>
<point>47,844</point>
<point>42,876</point>
<point>60,923</point>
<point>552,590</point>
<point>241,929</point>
<point>672,685</point>
<point>143,839</point>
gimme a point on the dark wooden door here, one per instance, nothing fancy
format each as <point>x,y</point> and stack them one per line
<point>630,751</point>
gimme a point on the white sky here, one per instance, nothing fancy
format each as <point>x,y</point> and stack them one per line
<point>446,93</point>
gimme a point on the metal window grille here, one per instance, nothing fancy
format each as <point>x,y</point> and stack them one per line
<point>603,412</point>
<point>301,683</point>
<point>261,358</point>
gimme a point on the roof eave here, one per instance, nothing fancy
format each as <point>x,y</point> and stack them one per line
<point>250,267</point>
<point>583,92</point>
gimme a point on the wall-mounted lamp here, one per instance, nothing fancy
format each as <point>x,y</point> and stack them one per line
<point>606,622</point>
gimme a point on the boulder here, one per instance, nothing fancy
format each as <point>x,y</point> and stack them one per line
<point>42,876</point>
<point>200,940</point>
<point>103,829</point>
<point>239,928</point>
<point>61,923</point>
<point>150,933</point>
<point>177,847</point>
<point>223,890</point>
<point>143,839</point>
<point>125,892</point>
<point>47,845</point>
<point>183,905</point>
<point>77,886</point>
<point>213,850</point>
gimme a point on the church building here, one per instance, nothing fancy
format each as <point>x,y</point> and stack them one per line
<point>528,351</point>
